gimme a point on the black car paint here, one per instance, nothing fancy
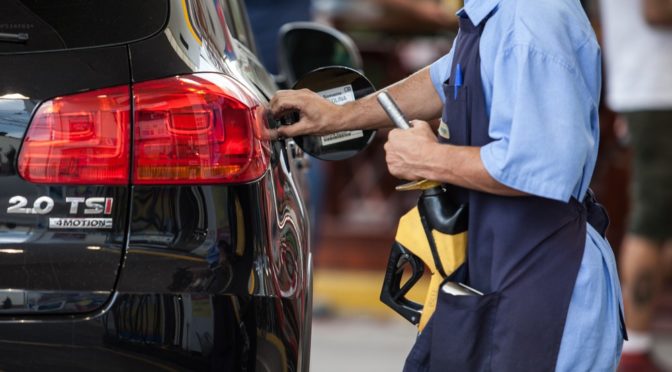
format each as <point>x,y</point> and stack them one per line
<point>56,261</point>
<point>213,277</point>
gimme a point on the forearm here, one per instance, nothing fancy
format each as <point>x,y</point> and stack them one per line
<point>461,166</point>
<point>415,96</point>
<point>658,12</point>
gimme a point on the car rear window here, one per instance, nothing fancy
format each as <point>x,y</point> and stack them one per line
<point>67,24</point>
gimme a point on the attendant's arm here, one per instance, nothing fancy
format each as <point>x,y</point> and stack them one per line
<point>658,12</point>
<point>411,154</point>
<point>415,96</point>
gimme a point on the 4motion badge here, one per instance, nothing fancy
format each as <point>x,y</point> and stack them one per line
<point>44,205</point>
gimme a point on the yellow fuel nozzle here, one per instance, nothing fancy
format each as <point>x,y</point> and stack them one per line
<point>418,185</point>
<point>433,233</point>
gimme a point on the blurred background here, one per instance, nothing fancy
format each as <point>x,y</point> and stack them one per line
<point>355,208</point>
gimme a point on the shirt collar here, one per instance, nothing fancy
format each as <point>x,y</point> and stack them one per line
<point>478,10</point>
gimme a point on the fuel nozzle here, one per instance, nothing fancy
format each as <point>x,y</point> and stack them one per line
<point>431,235</point>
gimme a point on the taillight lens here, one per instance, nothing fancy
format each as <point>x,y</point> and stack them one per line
<point>79,139</point>
<point>196,129</point>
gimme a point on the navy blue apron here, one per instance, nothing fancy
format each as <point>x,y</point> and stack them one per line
<point>524,254</point>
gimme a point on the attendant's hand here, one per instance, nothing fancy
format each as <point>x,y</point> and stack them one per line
<point>317,115</point>
<point>407,150</point>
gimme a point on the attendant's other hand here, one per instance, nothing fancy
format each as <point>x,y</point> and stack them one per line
<point>407,150</point>
<point>317,115</point>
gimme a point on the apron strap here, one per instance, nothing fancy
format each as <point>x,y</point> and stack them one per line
<point>596,213</point>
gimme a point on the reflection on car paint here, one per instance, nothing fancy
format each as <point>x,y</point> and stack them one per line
<point>13,301</point>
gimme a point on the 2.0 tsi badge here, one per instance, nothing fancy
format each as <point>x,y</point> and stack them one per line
<point>89,206</point>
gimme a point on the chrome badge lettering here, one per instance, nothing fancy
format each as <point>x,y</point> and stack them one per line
<point>93,205</point>
<point>45,204</point>
<point>89,206</point>
<point>42,205</point>
<point>80,223</point>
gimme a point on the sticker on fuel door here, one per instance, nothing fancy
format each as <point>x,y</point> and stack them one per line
<point>340,96</point>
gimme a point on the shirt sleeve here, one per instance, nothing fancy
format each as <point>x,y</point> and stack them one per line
<point>439,72</point>
<point>541,124</point>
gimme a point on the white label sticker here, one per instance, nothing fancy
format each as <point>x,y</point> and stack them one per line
<point>80,223</point>
<point>333,138</point>
<point>340,96</point>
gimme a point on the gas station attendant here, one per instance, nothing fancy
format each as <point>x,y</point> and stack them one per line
<point>518,99</point>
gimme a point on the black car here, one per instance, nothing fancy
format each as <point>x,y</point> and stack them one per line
<point>148,220</point>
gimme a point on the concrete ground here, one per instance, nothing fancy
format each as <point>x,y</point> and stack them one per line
<point>663,350</point>
<point>360,344</point>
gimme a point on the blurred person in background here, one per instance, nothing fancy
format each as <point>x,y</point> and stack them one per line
<point>440,14</point>
<point>412,32</point>
<point>389,15</point>
<point>267,17</point>
<point>638,55</point>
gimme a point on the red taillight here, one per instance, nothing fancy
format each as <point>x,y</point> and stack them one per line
<point>196,129</point>
<point>79,139</point>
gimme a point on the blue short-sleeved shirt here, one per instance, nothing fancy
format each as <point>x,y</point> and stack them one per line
<point>541,72</point>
